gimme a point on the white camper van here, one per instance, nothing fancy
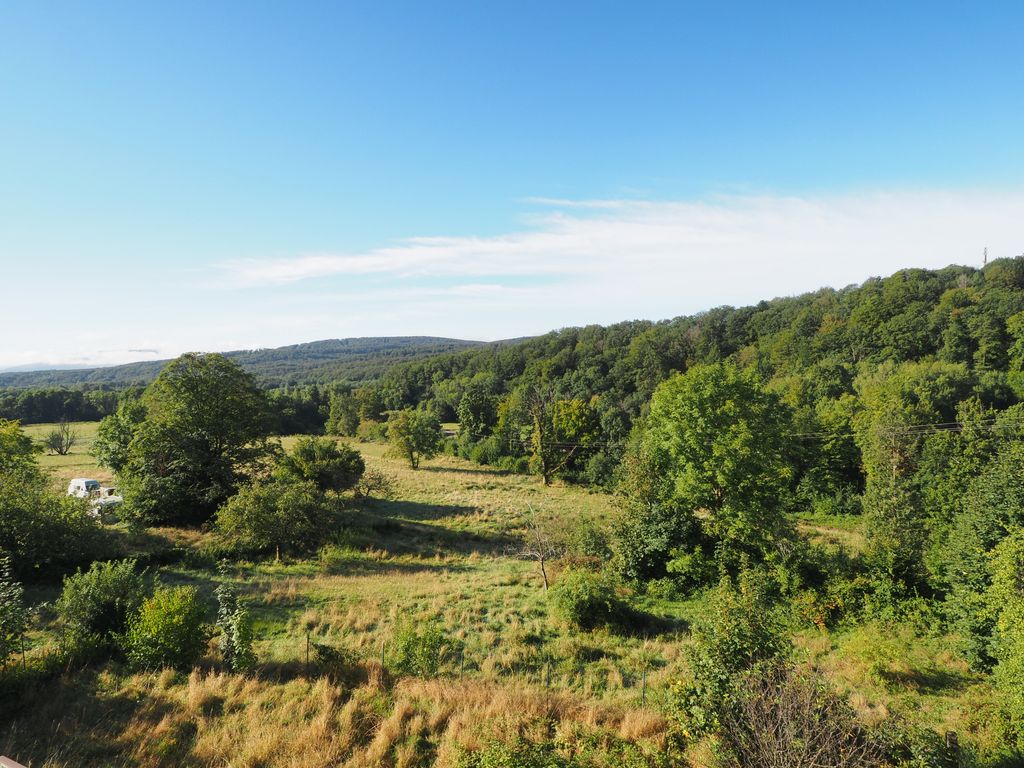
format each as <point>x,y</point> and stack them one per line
<point>83,487</point>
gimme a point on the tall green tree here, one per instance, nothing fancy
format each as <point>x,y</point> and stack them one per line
<point>414,435</point>
<point>343,418</point>
<point>721,442</point>
<point>897,403</point>
<point>206,430</point>
<point>115,433</point>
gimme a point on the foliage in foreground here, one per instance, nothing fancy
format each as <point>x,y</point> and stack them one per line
<point>420,648</point>
<point>235,625</point>
<point>46,534</point>
<point>738,631</point>
<point>13,613</point>
<point>169,630</point>
<point>96,606</point>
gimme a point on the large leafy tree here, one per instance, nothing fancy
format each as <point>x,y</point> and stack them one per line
<point>719,442</point>
<point>206,430</point>
<point>414,435</point>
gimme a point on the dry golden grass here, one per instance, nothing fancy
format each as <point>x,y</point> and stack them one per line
<point>215,718</point>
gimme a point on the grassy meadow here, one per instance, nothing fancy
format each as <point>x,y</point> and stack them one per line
<point>441,550</point>
<point>79,461</point>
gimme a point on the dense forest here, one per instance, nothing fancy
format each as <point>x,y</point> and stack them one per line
<point>817,351</point>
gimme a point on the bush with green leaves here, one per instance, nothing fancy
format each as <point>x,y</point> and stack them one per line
<point>578,748</point>
<point>279,516</point>
<point>587,600</point>
<point>169,630</point>
<point>338,663</point>
<point>46,534</point>
<point>1005,601</point>
<point>737,631</point>
<point>235,625</point>
<point>420,647</point>
<point>323,461</point>
<point>13,613</point>
<point>96,606</point>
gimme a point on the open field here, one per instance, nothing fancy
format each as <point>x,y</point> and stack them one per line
<point>79,462</point>
<point>438,552</point>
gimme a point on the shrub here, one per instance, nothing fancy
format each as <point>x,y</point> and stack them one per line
<point>330,466</point>
<point>236,630</point>
<point>169,630</point>
<point>573,749</point>
<point>419,648</point>
<point>13,615</point>
<point>590,540</point>
<point>517,465</point>
<point>45,534</point>
<point>690,568</point>
<point>374,484</point>
<point>487,451</point>
<point>96,606</point>
<point>289,516</point>
<point>520,754</point>
<point>782,717</point>
<point>339,664</point>
<point>586,601</point>
<point>601,469</point>
<point>371,431</point>
<point>737,632</point>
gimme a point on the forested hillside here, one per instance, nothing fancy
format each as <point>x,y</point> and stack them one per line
<point>292,373</point>
<point>355,360</point>
<point>811,349</point>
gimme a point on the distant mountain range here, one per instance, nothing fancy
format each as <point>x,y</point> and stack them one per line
<point>35,367</point>
<point>354,360</point>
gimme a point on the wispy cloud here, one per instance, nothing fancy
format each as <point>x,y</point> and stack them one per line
<point>652,258</point>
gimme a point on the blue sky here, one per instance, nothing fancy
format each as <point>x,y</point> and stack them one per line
<point>217,175</point>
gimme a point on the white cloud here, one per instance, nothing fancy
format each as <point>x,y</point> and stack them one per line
<point>600,261</point>
<point>651,258</point>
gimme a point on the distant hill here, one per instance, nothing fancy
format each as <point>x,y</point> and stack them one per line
<point>354,360</point>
